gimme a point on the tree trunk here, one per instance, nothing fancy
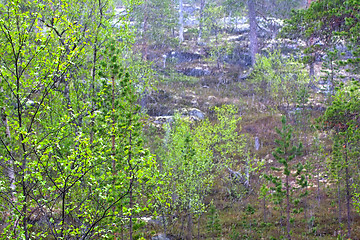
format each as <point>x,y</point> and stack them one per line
<point>131,200</point>
<point>198,233</point>
<point>24,171</point>
<point>92,93</point>
<point>181,21</point>
<point>164,222</point>
<point>201,21</point>
<point>131,217</point>
<point>252,35</point>
<point>339,207</point>
<point>145,45</point>
<point>348,197</point>
<point>189,227</point>
<point>318,185</point>
<point>312,73</point>
<point>264,207</point>
<point>288,207</point>
<point>92,90</point>
<point>113,124</point>
<point>10,168</point>
<point>305,203</point>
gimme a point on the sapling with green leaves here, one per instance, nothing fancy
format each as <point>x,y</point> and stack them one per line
<point>195,152</point>
<point>263,196</point>
<point>60,185</point>
<point>276,78</point>
<point>43,166</point>
<point>189,158</point>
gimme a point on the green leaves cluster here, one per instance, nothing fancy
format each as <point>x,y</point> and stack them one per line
<point>195,152</point>
<point>278,78</point>
<point>70,142</point>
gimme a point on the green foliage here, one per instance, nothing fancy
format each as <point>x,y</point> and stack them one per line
<point>278,78</point>
<point>341,118</point>
<point>56,137</point>
<point>334,23</point>
<point>234,235</point>
<point>190,153</point>
<point>213,224</point>
<point>228,143</point>
<point>156,22</point>
<point>284,154</point>
<point>189,159</point>
<point>212,13</point>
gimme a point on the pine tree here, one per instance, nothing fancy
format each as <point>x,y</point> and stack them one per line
<point>341,118</point>
<point>284,154</point>
<point>213,224</point>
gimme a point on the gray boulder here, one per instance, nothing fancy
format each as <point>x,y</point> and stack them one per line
<point>160,236</point>
<point>194,113</point>
<point>196,72</point>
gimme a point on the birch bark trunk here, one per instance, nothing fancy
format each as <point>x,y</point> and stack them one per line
<point>181,21</point>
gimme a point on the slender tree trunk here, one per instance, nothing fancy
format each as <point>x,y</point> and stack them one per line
<point>131,212</point>
<point>63,196</point>
<point>201,21</point>
<point>318,186</point>
<point>305,203</point>
<point>288,207</point>
<point>10,168</point>
<point>113,136</point>
<point>348,197</point>
<point>252,35</point>
<point>93,72</point>
<point>24,212</point>
<point>122,228</point>
<point>24,182</point>
<point>145,45</point>
<point>264,207</point>
<point>312,60</point>
<point>92,89</point>
<point>339,207</point>
<point>164,222</point>
<point>132,179</point>
<point>247,173</point>
<point>198,223</point>
<point>181,21</point>
<point>113,125</point>
<point>182,226</point>
<point>189,227</point>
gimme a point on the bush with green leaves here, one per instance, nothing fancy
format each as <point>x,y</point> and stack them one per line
<point>194,152</point>
<point>278,78</point>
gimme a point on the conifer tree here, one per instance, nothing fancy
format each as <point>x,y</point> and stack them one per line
<point>284,154</point>
<point>341,118</point>
<point>132,165</point>
<point>213,224</point>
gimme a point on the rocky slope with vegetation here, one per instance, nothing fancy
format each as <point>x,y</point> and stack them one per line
<point>179,120</point>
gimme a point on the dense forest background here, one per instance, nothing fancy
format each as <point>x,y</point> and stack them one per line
<point>179,119</point>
